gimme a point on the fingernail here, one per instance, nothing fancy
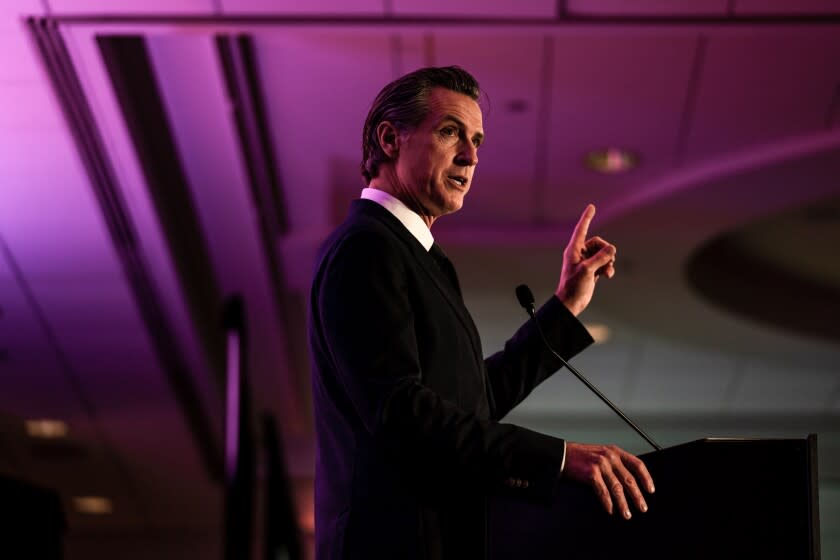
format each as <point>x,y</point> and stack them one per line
<point>644,508</point>
<point>651,488</point>
<point>627,514</point>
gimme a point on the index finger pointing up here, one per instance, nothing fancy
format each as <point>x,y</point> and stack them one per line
<point>582,227</point>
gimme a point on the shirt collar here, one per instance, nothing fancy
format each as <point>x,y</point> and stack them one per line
<point>410,219</point>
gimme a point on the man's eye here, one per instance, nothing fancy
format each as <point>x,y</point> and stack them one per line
<point>449,131</point>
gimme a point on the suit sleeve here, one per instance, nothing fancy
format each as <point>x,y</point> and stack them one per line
<point>526,362</point>
<point>366,319</point>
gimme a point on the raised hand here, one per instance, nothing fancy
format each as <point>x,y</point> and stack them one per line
<point>584,261</point>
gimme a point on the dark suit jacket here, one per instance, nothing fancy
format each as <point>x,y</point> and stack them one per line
<point>407,411</point>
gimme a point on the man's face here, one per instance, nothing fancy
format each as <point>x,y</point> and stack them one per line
<point>436,160</point>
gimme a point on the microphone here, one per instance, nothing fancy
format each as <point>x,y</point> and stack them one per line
<point>526,300</point>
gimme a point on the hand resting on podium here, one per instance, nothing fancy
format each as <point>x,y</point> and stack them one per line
<point>611,472</point>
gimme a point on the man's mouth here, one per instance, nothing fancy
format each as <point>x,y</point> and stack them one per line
<point>460,179</point>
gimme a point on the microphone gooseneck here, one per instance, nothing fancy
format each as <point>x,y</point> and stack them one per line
<point>526,300</point>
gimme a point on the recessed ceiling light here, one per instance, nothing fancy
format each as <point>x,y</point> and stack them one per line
<point>611,160</point>
<point>599,331</point>
<point>46,428</point>
<point>93,505</point>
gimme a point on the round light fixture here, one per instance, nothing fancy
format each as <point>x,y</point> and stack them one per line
<point>93,505</point>
<point>611,160</point>
<point>599,331</point>
<point>45,428</point>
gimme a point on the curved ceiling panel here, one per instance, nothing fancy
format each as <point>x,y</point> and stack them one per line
<point>660,236</point>
<point>790,256</point>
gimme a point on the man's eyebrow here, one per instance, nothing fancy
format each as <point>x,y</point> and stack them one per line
<point>459,122</point>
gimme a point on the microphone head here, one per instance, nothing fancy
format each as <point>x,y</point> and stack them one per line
<point>525,297</point>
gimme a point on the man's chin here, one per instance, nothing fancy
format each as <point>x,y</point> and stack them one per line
<point>455,202</point>
<point>448,205</point>
<point>452,207</point>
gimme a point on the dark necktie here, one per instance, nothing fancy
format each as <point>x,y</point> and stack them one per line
<point>445,265</point>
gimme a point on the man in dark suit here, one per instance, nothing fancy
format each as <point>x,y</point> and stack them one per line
<point>407,410</point>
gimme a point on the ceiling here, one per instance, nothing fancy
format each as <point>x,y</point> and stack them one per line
<point>126,222</point>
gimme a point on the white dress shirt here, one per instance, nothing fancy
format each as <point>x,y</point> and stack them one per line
<point>408,217</point>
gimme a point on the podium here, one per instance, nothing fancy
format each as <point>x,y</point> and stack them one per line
<point>715,498</point>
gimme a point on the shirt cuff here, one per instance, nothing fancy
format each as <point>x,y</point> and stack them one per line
<point>563,462</point>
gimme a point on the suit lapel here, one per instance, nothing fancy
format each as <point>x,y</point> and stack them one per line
<point>429,266</point>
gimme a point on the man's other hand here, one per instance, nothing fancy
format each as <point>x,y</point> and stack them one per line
<point>612,472</point>
<point>584,261</point>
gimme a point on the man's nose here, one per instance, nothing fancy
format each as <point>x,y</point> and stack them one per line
<point>468,155</point>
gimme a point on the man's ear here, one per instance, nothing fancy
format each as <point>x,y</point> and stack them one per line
<point>389,139</point>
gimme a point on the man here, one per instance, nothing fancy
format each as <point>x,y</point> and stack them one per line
<point>407,410</point>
